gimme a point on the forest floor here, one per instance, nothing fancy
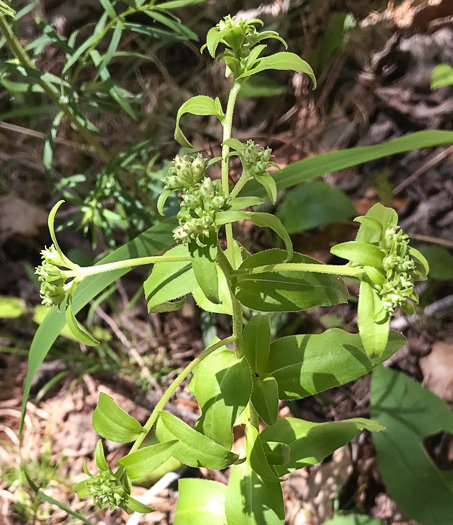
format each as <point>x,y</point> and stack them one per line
<point>377,87</point>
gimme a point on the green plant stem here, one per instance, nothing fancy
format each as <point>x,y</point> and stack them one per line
<point>129,263</point>
<point>21,55</point>
<point>347,271</point>
<point>171,389</point>
<point>227,127</point>
<point>239,185</point>
<point>237,314</point>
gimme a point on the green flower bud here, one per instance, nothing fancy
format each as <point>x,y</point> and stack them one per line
<point>198,168</point>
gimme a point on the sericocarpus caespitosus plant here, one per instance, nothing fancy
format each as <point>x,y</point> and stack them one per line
<point>240,380</point>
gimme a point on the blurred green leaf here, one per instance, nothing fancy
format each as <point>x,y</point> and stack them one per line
<point>318,165</point>
<point>204,266</point>
<point>11,307</point>
<point>251,501</point>
<point>373,331</point>
<point>411,413</point>
<point>440,262</point>
<point>442,75</point>
<point>314,204</point>
<point>200,502</point>
<point>354,519</point>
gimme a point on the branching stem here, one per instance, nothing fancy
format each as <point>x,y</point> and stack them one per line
<point>171,389</point>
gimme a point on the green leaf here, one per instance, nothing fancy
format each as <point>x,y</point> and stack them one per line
<point>386,217</point>
<point>251,501</point>
<point>442,75</point>
<point>311,442</point>
<point>115,92</point>
<point>267,181</point>
<point>313,204</point>
<point>169,281</point>
<point>200,502</point>
<point>11,307</point>
<point>373,331</point>
<point>257,458</point>
<point>195,449</point>
<point>112,422</point>
<point>108,8</point>
<point>50,139</point>
<point>305,365</point>
<point>174,4</point>
<point>257,339</point>
<point>199,105</point>
<point>174,24</point>
<point>286,291</point>
<point>411,413</point>
<point>276,453</point>
<point>354,519</point>
<point>319,165</point>
<point>263,220</point>
<point>136,506</point>
<point>205,269</point>
<point>224,306</point>
<point>215,385</point>
<point>6,9</point>
<point>361,253</point>
<point>281,61</point>
<point>265,398</point>
<point>99,457</point>
<point>77,330</point>
<point>239,203</point>
<point>142,462</point>
<point>440,262</point>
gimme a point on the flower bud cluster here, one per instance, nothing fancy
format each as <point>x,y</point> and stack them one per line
<point>107,491</point>
<point>239,34</point>
<point>197,214</point>
<point>255,159</point>
<point>399,270</point>
<point>185,172</point>
<point>53,277</point>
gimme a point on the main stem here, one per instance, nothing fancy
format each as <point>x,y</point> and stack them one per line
<point>171,389</point>
<point>227,127</point>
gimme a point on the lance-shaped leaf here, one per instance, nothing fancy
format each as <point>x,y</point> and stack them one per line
<point>77,330</point>
<point>257,340</point>
<point>169,281</point>
<point>305,365</point>
<point>361,253</point>
<point>224,305</point>
<point>200,501</point>
<point>276,453</point>
<point>142,462</point>
<point>282,61</point>
<point>204,265</point>
<point>199,105</point>
<point>251,501</point>
<point>256,456</point>
<point>265,398</point>
<point>222,385</point>
<point>310,442</point>
<point>263,220</point>
<point>286,291</point>
<point>410,413</point>
<point>374,323</point>
<point>112,422</point>
<point>195,449</point>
